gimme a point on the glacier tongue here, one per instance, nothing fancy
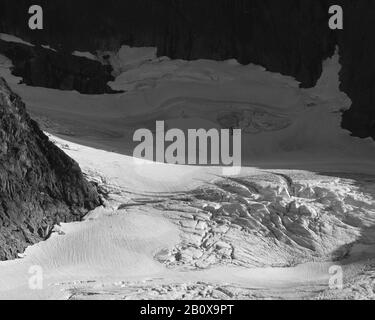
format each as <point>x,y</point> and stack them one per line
<point>304,198</point>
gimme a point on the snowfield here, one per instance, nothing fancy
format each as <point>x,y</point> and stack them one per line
<point>303,202</point>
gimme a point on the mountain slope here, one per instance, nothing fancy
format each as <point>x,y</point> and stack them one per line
<point>291,37</point>
<point>39,185</point>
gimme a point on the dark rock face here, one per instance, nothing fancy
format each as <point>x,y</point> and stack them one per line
<point>45,68</point>
<point>290,36</point>
<point>357,50</point>
<point>39,185</point>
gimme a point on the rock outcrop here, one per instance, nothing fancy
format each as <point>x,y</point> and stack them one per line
<point>40,186</point>
<point>357,51</point>
<point>46,68</point>
<point>290,36</point>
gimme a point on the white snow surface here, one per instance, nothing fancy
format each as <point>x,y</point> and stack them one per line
<point>11,38</point>
<point>48,47</point>
<point>87,55</point>
<point>304,197</point>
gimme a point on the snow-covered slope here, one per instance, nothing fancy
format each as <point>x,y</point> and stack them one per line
<point>305,195</point>
<point>213,238</point>
<point>281,123</point>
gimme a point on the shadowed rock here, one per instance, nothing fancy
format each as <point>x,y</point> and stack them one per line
<point>39,185</point>
<point>291,36</point>
<point>42,67</point>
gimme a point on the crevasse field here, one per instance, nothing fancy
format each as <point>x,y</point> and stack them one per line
<point>303,202</point>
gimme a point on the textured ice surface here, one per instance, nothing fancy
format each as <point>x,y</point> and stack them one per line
<point>303,201</point>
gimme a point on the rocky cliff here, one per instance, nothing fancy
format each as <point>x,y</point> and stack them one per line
<point>41,67</point>
<point>357,50</point>
<point>290,36</point>
<point>39,185</point>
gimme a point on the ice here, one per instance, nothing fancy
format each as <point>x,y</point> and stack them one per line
<point>48,47</point>
<point>11,38</point>
<point>128,57</point>
<point>87,55</point>
<point>303,201</point>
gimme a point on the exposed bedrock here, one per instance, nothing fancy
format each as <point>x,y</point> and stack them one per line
<point>291,36</point>
<point>40,186</point>
<point>42,67</point>
<point>357,51</point>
